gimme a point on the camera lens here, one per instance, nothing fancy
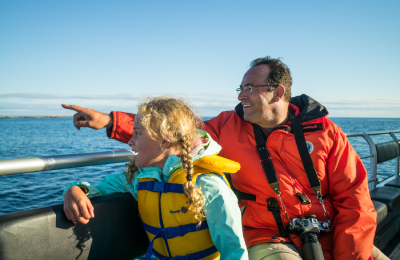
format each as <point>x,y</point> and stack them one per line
<point>310,247</point>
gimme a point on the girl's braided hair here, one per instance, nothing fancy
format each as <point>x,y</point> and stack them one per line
<point>174,120</point>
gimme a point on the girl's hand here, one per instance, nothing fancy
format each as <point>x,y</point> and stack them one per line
<point>77,206</point>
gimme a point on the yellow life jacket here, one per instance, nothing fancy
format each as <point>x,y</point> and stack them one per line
<point>170,227</point>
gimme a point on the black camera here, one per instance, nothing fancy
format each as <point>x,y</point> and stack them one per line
<point>309,228</point>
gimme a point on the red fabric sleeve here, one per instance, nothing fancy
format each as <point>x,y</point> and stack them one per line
<point>214,125</point>
<point>355,223</point>
<point>122,131</point>
<point>122,128</point>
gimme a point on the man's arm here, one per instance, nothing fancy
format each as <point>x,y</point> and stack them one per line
<point>119,124</point>
<point>355,223</point>
<point>122,123</point>
<point>122,126</point>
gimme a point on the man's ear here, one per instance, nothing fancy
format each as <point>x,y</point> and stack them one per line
<point>279,93</point>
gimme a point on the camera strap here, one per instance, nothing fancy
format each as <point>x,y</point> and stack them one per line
<point>308,165</point>
<point>273,207</point>
<point>266,162</point>
<point>305,155</point>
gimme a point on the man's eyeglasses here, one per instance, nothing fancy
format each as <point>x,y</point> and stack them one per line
<point>249,88</point>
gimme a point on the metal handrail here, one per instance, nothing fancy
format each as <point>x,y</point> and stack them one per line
<point>372,133</point>
<point>48,163</point>
<point>398,154</point>
<point>374,155</point>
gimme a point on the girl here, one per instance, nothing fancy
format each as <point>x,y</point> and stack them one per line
<point>185,203</point>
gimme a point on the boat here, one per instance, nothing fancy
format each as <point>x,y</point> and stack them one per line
<point>116,231</point>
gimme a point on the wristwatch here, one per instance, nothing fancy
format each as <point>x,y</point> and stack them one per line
<point>84,188</point>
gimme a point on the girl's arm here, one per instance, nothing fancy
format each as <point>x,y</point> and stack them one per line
<point>223,217</point>
<point>115,183</point>
<point>77,205</point>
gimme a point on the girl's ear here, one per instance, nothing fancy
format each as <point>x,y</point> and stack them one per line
<point>165,145</point>
<point>169,148</point>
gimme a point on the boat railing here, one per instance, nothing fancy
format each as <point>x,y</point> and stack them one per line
<point>378,153</point>
<point>48,163</point>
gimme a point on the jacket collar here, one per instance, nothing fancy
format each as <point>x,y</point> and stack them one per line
<point>309,108</point>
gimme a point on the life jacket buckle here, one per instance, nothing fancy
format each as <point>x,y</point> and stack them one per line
<point>158,186</point>
<point>172,232</point>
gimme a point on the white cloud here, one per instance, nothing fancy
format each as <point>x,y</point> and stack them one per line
<point>366,107</point>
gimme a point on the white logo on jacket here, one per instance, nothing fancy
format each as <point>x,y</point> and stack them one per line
<point>310,146</point>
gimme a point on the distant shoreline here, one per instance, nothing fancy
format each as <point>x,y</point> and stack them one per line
<point>4,117</point>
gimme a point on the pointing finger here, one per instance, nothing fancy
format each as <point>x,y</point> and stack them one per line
<point>73,107</point>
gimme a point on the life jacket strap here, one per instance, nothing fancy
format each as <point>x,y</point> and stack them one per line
<point>158,186</point>
<point>171,232</point>
<point>194,256</point>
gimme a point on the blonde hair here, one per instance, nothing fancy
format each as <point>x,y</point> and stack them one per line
<point>174,120</point>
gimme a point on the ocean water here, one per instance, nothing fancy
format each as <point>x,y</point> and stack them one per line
<point>33,137</point>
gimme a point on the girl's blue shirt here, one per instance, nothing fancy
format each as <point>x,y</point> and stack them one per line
<point>220,207</point>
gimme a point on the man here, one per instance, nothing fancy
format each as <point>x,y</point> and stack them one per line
<point>267,113</point>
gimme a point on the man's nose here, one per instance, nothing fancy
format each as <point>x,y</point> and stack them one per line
<point>131,142</point>
<point>241,96</point>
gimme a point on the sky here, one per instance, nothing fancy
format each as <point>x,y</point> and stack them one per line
<point>106,55</point>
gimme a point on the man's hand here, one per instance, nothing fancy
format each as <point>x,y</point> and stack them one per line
<point>86,117</point>
<point>77,206</point>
